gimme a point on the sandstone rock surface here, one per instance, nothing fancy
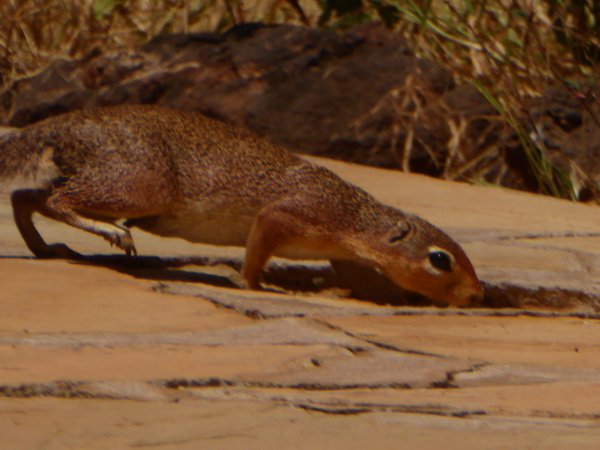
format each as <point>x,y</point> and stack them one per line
<point>168,353</point>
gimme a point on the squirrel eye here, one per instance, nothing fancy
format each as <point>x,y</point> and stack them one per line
<point>400,232</point>
<point>441,260</point>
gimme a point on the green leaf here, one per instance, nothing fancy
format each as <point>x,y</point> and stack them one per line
<point>514,37</point>
<point>481,182</point>
<point>104,8</point>
<point>488,96</point>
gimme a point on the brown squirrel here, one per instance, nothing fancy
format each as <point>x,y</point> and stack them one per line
<point>182,174</point>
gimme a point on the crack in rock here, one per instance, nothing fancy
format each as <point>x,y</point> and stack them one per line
<point>274,305</point>
<point>340,401</point>
<point>407,409</point>
<point>522,374</point>
<point>170,391</point>
<point>281,331</point>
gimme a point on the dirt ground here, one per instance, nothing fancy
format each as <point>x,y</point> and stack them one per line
<point>101,354</point>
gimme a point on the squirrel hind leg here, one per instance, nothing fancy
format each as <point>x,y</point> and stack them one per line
<point>64,206</point>
<point>94,199</point>
<point>25,202</point>
<point>59,205</point>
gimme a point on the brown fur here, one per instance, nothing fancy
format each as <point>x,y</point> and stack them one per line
<point>182,174</point>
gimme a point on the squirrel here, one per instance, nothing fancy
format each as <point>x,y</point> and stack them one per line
<point>186,175</point>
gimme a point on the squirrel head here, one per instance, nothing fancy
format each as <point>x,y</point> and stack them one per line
<point>420,257</point>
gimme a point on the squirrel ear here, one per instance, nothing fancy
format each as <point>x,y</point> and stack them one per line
<point>400,231</point>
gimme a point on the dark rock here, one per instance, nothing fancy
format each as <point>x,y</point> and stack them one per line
<point>361,96</point>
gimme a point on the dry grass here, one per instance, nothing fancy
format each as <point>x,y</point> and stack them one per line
<point>511,51</point>
<point>33,32</point>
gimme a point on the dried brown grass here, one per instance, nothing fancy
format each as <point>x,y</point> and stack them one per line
<point>512,51</point>
<point>34,32</point>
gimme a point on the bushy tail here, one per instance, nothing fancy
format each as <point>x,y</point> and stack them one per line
<point>21,157</point>
<point>5,130</point>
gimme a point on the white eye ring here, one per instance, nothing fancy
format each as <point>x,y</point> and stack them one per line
<point>440,260</point>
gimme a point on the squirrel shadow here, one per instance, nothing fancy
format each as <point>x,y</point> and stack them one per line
<point>346,278</point>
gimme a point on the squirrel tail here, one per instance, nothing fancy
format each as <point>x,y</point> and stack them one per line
<point>24,160</point>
